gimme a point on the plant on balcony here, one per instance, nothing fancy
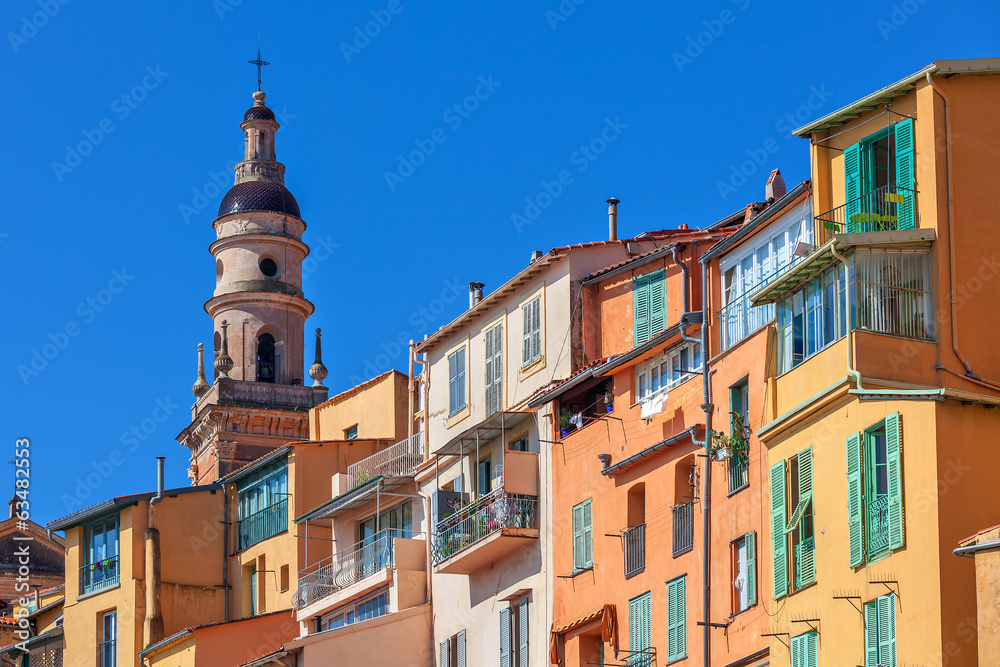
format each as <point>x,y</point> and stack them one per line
<point>565,422</point>
<point>735,446</point>
<point>362,477</point>
<point>609,397</point>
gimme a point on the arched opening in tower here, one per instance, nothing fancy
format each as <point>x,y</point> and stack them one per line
<point>265,358</point>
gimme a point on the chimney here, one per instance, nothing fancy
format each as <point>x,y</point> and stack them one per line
<point>153,622</point>
<point>775,186</point>
<point>536,255</point>
<point>613,219</point>
<point>475,293</point>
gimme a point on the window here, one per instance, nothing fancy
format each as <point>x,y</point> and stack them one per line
<point>263,505</point>
<point>265,358</point>
<point>514,635</point>
<point>583,535</point>
<point>874,491</point>
<point>677,619</point>
<point>494,369</point>
<point>880,631</point>
<point>452,651</point>
<point>254,600</point>
<point>484,476</point>
<point>879,181</point>
<point>378,532</point>
<point>747,271</point>
<point>268,267</point>
<point>649,305</point>
<point>101,556</point>
<point>640,630</point>
<point>365,609</point>
<point>109,639</point>
<point>531,339</point>
<point>520,445</point>
<point>892,292</point>
<point>811,317</point>
<point>739,427</point>
<point>792,532</point>
<point>351,433</point>
<point>456,382</point>
<point>668,371</point>
<point>284,579</point>
<point>744,572</point>
<point>804,650</point>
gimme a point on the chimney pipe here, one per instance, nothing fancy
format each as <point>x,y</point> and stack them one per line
<point>536,255</point>
<point>475,293</point>
<point>613,219</point>
<point>152,627</point>
<point>159,480</point>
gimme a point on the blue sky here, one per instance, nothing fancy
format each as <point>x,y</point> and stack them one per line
<point>110,199</point>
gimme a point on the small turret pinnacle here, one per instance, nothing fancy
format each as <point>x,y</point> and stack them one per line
<point>223,362</point>
<point>200,385</point>
<point>318,371</point>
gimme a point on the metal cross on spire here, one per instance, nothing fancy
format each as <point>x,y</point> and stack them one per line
<point>259,63</point>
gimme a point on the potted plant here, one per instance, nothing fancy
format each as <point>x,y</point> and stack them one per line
<point>565,423</point>
<point>735,446</point>
<point>609,397</point>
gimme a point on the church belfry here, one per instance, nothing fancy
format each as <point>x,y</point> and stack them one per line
<point>258,400</point>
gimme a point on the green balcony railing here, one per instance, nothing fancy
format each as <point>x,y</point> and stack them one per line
<point>878,525</point>
<point>882,210</point>
<point>100,575</point>
<point>263,524</point>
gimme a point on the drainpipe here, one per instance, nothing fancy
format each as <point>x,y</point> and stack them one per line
<point>153,623</point>
<point>684,277</point>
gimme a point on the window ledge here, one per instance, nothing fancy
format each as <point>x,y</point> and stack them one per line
<point>91,594</point>
<point>458,416</point>
<point>735,491</point>
<point>531,369</point>
<point>576,572</point>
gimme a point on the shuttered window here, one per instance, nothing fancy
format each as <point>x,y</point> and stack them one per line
<point>779,559</point>
<point>649,305</point>
<point>531,336</point>
<point>444,651</point>
<point>804,650</point>
<point>879,181</point>
<point>583,534</point>
<point>505,638</point>
<point>514,635</point>
<point>677,619</point>
<point>906,210</point>
<point>876,517</point>
<point>805,558</point>
<point>640,629</point>
<point>745,574</point>
<point>880,631</point>
<point>494,369</point>
<point>456,382</point>
<point>522,633</point>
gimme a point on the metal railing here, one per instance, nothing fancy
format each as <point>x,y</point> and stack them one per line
<point>263,524</point>
<point>878,525</point>
<point>892,295</point>
<point>683,527</point>
<point>399,460</point>
<point>100,575</point>
<point>490,513</point>
<point>885,209</point>
<point>109,657</point>
<point>362,560</point>
<point>738,474</point>
<point>739,318</point>
<point>47,658</point>
<point>634,540</point>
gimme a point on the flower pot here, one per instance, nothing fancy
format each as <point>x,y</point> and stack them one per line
<point>609,407</point>
<point>564,432</point>
<point>722,454</point>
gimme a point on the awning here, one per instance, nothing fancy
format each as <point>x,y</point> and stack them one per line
<point>608,615</point>
<point>492,427</point>
<point>354,498</point>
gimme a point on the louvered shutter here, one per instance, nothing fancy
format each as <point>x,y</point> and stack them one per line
<point>852,186</point>
<point>657,302</point>
<point>680,598</point>
<point>806,572</point>
<point>460,362</point>
<point>887,630</point>
<point>855,523</point>
<point>640,309</point>
<point>588,534</point>
<point>634,633</point>
<point>536,330</point>
<point>871,634</point>
<point>444,649</point>
<point>488,371</point>
<point>779,543</point>
<point>578,555</point>
<point>452,383</point>
<point>811,659</point>
<point>750,540</point>
<point>522,633</point>
<point>893,448</point>
<point>526,319</point>
<point>505,637</point>
<point>906,210</point>
<point>460,649</point>
<point>797,651</point>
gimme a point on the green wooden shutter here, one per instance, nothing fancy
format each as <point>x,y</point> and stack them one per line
<point>505,637</point>
<point>887,630</point>
<point>522,634</point>
<point>640,627</point>
<point>460,649</point>
<point>578,537</point>
<point>796,650</point>
<point>750,540</point>
<point>852,186</point>
<point>871,634</point>
<point>657,302</point>
<point>588,534</point>
<point>855,518</point>
<point>806,565</point>
<point>779,557</point>
<point>443,649</point>
<point>676,619</point>
<point>893,447</point>
<point>640,309</point>
<point>804,650</point>
<point>812,660</point>
<point>906,210</point>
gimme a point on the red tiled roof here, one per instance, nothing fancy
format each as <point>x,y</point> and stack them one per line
<point>983,531</point>
<point>694,235</point>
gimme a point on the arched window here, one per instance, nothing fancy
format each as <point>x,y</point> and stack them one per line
<point>265,358</point>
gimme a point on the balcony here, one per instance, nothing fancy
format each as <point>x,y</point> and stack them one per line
<point>100,575</point>
<point>263,524</point>
<point>399,460</point>
<point>882,210</point>
<point>490,528</point>
<point>683,527</point>
<point>634,540</point>
<point>227,391</point>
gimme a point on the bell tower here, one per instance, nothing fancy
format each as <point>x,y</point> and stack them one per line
<point>258,400</point>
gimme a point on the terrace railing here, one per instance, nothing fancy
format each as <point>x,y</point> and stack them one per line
<point>398,460</point>
<point>487,515</point>
<point>100,575</point>
<point>683,527</point>
<point>263,524</point>
<point>635,550</point>
<point>884,209</point>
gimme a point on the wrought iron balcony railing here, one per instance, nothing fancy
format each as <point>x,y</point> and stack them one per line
<point>364,559</point>
<point>635,550</point>
<point>487,515</point>
<point>683,527</point>
<point>263,524</point>
<point>885,209</point>
<point>100,575</point>
<point>398,460</point>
